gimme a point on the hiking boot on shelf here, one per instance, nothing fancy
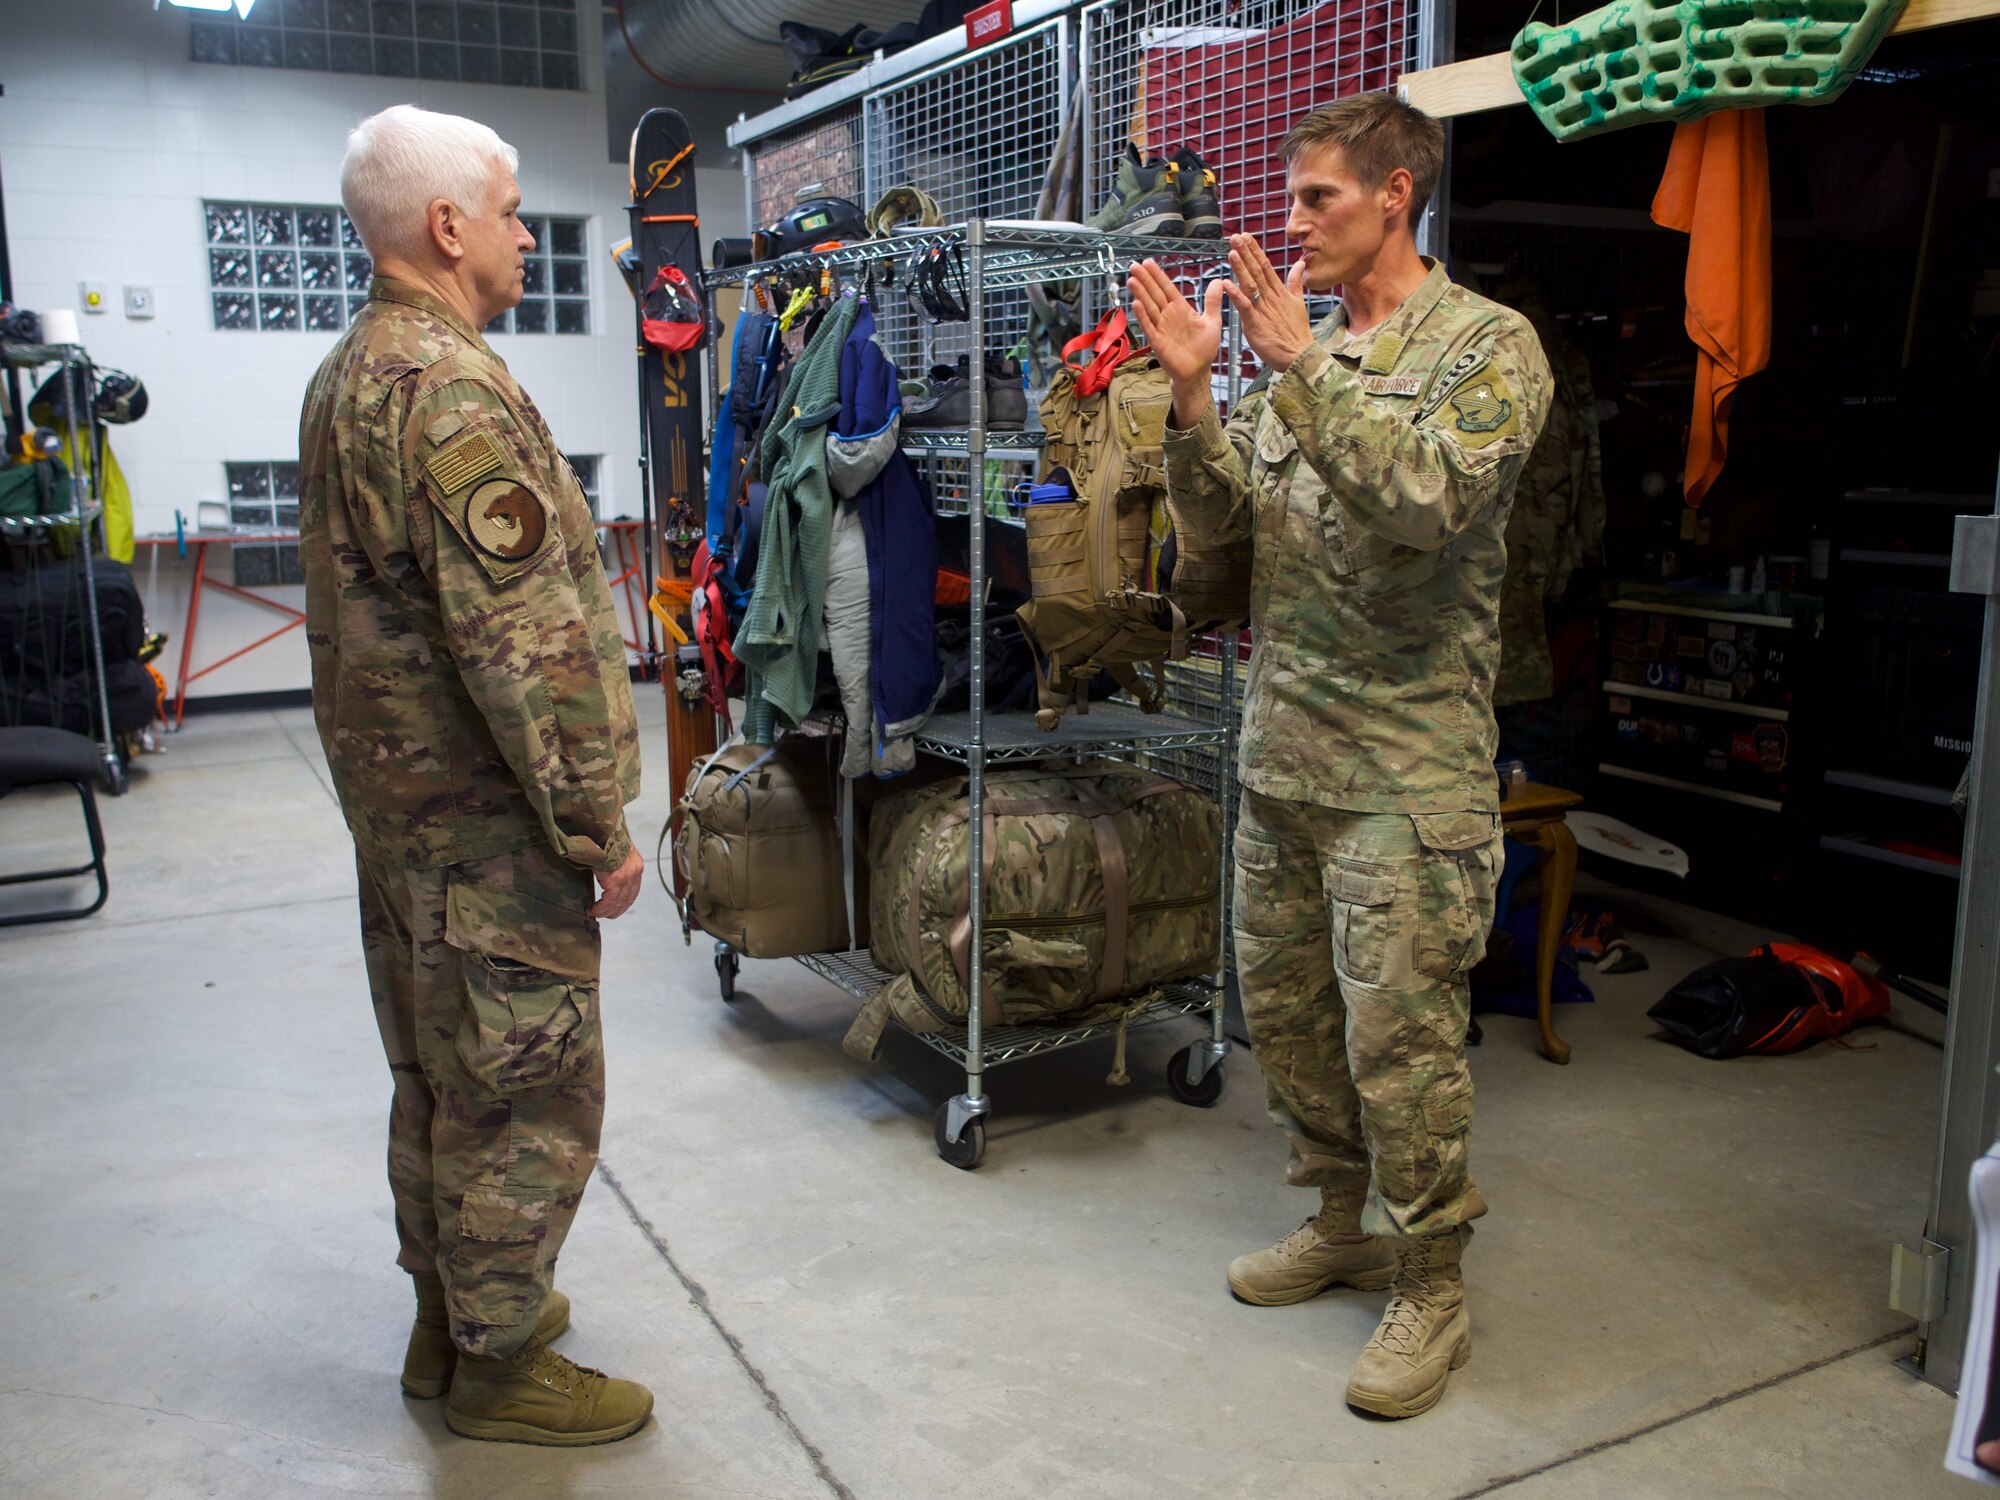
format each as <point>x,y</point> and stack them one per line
<point>948,400</point>
<point>1327,1250</point>
<point>1201,205</point>
<point>1145,198</point>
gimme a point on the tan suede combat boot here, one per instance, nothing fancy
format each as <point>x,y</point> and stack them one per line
<point>431,1357</point>
<point>537,1396</point>
<point>1425,1333</point>
<point>1327,1250</point>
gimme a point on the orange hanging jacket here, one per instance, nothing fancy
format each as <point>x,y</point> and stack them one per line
<point>1717,191</point>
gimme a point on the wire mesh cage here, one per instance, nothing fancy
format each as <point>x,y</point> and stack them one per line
<point>824,153</point>
<point>1227,79</point>
<point>977,133</point>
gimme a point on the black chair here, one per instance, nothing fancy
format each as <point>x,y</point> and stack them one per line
<point>37,756</point>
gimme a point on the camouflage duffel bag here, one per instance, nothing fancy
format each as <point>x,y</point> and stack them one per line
<point>1101,882</point>
<point>758,845</point>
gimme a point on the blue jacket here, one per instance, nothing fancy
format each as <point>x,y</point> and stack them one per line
<point>865,464</point>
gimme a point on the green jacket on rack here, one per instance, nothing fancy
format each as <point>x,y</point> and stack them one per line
<point>778,642</point>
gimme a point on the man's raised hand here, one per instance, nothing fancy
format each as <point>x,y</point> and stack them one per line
<point>1184,340</point>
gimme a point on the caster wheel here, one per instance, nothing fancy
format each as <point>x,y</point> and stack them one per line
<point>1201,1095</point>
<point>726,966</point>
<point>965,1152</point>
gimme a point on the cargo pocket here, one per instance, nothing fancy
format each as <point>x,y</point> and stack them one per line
<point>1258,905</point>
<point>530,1019</point>
<point>1456,882</point>
<point>523,1027</point>
<point>498,1256</point>
<point>1364,896</point>
<point>1448,1123</point>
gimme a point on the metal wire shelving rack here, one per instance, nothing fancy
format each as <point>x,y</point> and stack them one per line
<point>999,255</point>
<point>87,508</point>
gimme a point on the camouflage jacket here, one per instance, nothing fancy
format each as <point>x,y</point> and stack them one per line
<point>1373,480</point>
<point>468,675</point>
<point>1557,520</point>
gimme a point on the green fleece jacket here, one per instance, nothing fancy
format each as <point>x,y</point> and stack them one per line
<point>778,643</point>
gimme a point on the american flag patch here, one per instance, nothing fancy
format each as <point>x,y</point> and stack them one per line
<point>473,456</point>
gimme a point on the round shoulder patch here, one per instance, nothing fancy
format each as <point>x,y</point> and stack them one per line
<point>505,520</point>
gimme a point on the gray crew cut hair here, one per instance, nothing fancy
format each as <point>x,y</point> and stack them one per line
<point>401,160</point>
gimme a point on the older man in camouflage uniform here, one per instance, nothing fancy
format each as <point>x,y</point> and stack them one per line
<point>471,691</point>
<point>1370,472</point>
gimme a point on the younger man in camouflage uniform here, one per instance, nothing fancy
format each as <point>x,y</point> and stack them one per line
<point>1371,475</point>
<point>470,687</point>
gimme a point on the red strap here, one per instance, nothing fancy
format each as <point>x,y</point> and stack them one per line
<point>1111,345</point>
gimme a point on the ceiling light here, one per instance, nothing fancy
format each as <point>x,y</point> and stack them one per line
<point>241,7</point>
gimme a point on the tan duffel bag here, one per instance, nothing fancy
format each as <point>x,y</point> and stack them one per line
<point>1102,883</point>
<point>759,848</point>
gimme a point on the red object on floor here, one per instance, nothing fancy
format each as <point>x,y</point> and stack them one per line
<point>1231,96</point>
<point>1846,999</point>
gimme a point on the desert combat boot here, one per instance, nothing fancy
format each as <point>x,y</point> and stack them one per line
<point>1327,1250</point>
<point>1424,1335</point>
<point>431,1357</point>
<point>537,1396</point>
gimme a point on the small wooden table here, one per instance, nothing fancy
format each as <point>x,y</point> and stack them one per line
<point>1534,814</point>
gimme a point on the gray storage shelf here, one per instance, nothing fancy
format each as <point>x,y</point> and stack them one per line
<point>921,440</point>
<point>857,974</point>
<point>1109,728</point>
<point>1000,254</point>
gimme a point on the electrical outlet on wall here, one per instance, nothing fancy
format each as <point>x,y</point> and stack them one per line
<point>138,302</point>
<point>91,297</point>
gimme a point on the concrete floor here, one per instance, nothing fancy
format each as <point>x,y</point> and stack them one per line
<point>1679,1293</point>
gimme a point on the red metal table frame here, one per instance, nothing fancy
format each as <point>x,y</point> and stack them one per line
<point>626,552</point>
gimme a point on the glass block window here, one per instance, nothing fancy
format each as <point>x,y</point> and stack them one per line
<point>556,296</point>
<point>265,497</point>
<point>284,266</point>
<point>585,465</point>
<point>526,43</point>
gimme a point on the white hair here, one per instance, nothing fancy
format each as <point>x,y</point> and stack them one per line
<point>399,161</point>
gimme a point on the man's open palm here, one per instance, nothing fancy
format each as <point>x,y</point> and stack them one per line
<point>1184,340</point>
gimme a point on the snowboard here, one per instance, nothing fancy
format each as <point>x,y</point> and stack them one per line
<point>666,230</point>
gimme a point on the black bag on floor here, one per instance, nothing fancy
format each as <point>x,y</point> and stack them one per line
<point>1778,999</point>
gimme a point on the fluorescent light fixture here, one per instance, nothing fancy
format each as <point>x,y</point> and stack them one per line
<point>241,7</point>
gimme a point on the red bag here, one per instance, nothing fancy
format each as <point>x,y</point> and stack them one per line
<point>671,315</point>
<point>1782,997</point>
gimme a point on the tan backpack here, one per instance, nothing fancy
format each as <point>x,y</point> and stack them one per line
<point>1092,560</point>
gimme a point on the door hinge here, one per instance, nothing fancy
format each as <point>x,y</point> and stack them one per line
<point>1975,556</point>
<point>1917,1280</point>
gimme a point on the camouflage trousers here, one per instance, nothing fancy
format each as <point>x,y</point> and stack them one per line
<point>484,977</point>
<point>1354,936</point>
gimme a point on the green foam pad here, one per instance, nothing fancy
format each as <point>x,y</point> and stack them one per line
<point>1634,61</point>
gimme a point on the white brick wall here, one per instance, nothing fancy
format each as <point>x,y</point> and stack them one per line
<point>109,141</point>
